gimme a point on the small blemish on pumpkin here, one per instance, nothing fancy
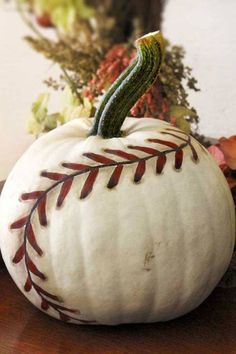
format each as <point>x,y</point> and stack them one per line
<point>148,260</point>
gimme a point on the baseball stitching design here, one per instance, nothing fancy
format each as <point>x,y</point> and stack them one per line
<point>65,182</point>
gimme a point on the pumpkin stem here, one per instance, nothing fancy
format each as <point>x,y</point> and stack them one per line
<point>129,86</point>
<point>108,95</point>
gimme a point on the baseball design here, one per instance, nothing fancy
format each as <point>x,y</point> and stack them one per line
<point>116,220</point>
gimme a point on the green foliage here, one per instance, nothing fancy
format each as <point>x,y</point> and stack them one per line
<point>63,13</point>
<point>175,76</point>
<point>41,121</point>
<point>183,115</point>
<point>181,111</point>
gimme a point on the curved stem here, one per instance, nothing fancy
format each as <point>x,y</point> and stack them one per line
<point>108,95</point>
<point>130,87</point>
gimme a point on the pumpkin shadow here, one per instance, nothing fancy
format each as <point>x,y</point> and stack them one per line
<point>202,328</point>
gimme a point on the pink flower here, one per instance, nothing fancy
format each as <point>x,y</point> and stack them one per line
<point>228,147</point>
<point>217,154</point>
<point>225,155</point>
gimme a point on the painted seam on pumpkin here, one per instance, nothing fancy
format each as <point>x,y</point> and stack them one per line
<point>47,299</point>
<point>31,268</point>
<point>65,182</point>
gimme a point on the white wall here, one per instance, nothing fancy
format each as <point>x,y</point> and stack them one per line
<point>21,74</point>
<point>207,30</point>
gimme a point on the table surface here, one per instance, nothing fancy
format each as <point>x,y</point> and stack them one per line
<point>210,329</point>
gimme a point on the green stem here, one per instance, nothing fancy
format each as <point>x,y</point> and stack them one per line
<point>130,87</point>
<point>71,84</point>
<point>108,95</point>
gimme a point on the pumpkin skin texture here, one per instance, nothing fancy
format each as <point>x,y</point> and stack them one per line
<point>137,252</point>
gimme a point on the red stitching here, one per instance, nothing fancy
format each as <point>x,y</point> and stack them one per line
<point>123,154</point>
<point>178,152</point>
<point>53,175</point>
<point>28,284</point>
<point>33,269</point>
<point>88,185</point>
<point>178,159</point>
<point>145,149</point>
<point>33,242</point>
<point>194,152</point>
<point>160,164</point>
<point>140,170</point>
<point>164,142</point>
<point>44,292</point>
<point>65,181</point>
<point>42,210</point>
<point>18,224</point>
<point>65,188</point>
<point>98,158</point>
<point>76,166</point>
<point>31,195</point>
<point>115,177</point>
<point>19,254</point>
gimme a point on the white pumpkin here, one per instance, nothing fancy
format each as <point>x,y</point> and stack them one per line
<point>134,223</point>
<point>138,252</point>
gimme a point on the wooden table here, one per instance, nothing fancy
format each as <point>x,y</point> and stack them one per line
<point>210,329</point>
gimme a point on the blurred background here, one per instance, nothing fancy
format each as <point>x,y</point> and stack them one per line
<point>204,28</point>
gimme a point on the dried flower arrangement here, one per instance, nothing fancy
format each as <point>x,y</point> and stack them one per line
<point>92,48</point>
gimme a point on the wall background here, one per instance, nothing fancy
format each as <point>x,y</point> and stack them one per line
<point>205,28</point>
<point>21,74</point>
